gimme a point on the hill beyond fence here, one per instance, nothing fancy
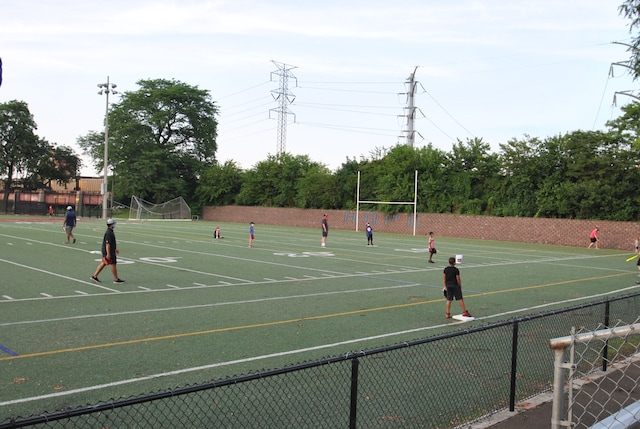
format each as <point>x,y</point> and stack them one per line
<point>565,232</point>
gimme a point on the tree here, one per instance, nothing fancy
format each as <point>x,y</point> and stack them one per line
<point>317,189</point>
<point>627,126</point>
<point>474,176</point>
<point>162,137</point>
<point>274,182</point>
<point>219,184</point>
<point>59,164</point>
<point>521,176</point>
<point>20,148</point>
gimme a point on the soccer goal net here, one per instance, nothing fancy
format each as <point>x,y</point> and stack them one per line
<point>176,209</point>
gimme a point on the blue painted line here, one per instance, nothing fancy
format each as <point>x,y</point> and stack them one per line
<point>8,351</point>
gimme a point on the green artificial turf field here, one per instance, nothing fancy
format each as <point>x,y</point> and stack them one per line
<point>195,309</point>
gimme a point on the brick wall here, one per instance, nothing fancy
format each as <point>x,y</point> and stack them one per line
<point>613,235</point>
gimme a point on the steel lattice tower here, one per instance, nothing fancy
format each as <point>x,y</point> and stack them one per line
<point>284,97</point>
<point>409,131</point>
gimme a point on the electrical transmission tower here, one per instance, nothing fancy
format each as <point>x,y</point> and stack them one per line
<point>409,132</point>
<point>284,97</point>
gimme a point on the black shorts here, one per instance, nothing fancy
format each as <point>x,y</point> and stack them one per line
<point>111,261</point>
<point>454,292</point>
<point>593,239</point>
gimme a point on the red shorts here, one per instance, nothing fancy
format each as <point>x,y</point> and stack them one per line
<point>251,236</point>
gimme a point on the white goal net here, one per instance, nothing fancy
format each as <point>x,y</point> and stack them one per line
<point>176,209</point>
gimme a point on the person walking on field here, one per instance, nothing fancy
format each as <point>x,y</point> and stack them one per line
<point>453,288</point>
<point>369,231</point>
<point>593,237</point>
<point>51,212</point>
<point>325,230</point>
<point>251,234</point>
<point>109,252</point>
<point>69,223</point>
<point>432,247</point>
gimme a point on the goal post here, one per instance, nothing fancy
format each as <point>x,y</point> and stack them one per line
<point>175,209</point>
<point>414,203</point>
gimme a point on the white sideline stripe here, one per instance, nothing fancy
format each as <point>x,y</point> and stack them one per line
<point>203,367</point>
<point>58,275</point>
<point>7,297</point>
<point>137,260</point>
<point>216,304</point>
<point>290,352</point>
<point>81,292</point>
<point>46,295</point>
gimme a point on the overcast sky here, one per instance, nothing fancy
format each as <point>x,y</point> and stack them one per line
<point>492,69</point>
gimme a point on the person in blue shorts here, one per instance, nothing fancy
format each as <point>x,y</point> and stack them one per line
<point>251,234</point>
<point>453,288</point>
<point>369,231</point>
<point>69,223</point>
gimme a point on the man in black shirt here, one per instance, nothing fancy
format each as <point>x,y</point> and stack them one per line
<point>109,252</point>
<point>453,288</point>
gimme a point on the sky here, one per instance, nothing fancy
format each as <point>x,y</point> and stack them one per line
<point>491,69</point>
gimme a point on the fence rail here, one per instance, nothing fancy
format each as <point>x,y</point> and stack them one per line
<point>595,379</point>
<point>442,381</point>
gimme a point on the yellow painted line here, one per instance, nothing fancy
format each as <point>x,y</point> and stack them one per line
<point>284,322</point>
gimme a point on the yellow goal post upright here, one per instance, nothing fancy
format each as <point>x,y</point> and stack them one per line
<point>414,202</point>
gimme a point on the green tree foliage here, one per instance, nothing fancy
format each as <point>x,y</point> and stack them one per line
<point>316,189</point>
<point>162,137</point>
<point>276,182</point>
<point>627,126</point>
<point>347,183</point>
<point>521,177</point>
<point>19,145</point>
<point>25,156</point>
<point>57,164</point>
<point>220,184</point>
<point>473,172</point>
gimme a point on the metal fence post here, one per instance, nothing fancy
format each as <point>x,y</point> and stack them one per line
<point>514,366</point>
<point>353,408</point>
<point>558,406</point>
<point>605,349</point>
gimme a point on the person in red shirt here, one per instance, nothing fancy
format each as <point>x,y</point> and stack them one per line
<point>593,237</point>
<point>432,247</point>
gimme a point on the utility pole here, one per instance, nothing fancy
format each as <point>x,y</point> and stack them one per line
<point>106,88</point>
<point>284,97</point>
<point>409,132</point>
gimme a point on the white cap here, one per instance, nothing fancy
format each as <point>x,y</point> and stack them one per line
<point>69,207</point>
<point>111,222</point>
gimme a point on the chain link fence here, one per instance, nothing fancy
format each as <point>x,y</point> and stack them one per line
<point>445,381</point>
<point>595,379</point>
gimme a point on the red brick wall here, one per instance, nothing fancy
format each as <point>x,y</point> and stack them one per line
<point>613,235</point>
